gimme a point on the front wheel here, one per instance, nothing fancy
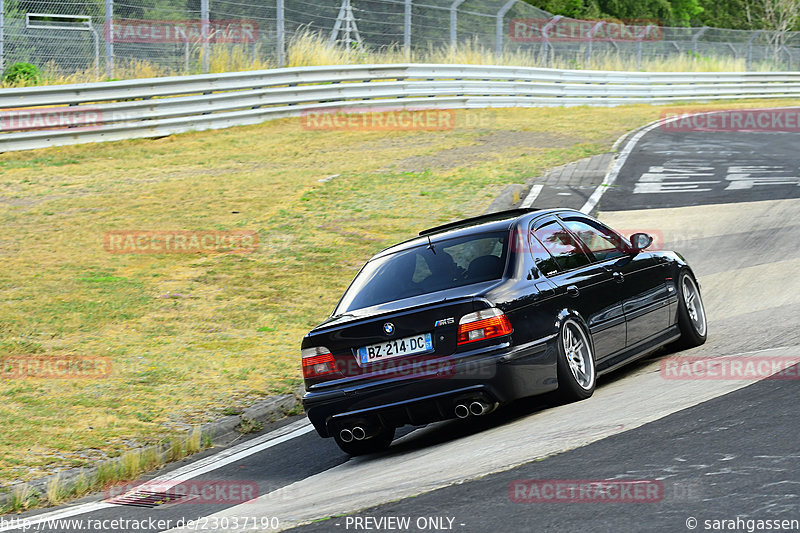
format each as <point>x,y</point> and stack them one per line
<point>378,443</point>
<point>691,313</point>
<point>576,366</point>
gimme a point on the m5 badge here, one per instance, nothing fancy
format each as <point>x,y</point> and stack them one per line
<point>443,322</point>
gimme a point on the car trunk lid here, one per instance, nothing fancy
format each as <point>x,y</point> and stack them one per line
<point>399,342</point>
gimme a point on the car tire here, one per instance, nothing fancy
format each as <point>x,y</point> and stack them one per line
<point>577,375</point>
<point>691,313</point>
<point>378,443</point>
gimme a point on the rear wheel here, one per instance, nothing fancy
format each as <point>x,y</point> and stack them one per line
<point>691,313</point>
<point>576,370</point>
<point>378,443</point>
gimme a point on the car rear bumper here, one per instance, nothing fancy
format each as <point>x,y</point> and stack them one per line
<point>494,374</point>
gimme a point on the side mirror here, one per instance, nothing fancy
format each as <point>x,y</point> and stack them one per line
<point>640,241</point>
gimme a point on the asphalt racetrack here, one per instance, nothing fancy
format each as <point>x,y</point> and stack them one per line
<point>688,452</point>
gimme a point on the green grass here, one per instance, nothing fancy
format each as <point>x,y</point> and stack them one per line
<point>196,337</point>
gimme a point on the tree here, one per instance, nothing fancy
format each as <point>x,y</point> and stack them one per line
<point>92,8</point>
<point>778,16</point>
<point>666,12</point>
<point>724,14</point>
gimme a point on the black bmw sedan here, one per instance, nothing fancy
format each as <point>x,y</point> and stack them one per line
<point>480,312</point>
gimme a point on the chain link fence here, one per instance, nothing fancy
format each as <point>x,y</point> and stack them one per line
<point>103,36</point>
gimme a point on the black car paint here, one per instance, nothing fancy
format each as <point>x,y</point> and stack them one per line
<point>628,304</point>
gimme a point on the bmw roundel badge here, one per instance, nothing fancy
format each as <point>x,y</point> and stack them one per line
<point>388,328</point>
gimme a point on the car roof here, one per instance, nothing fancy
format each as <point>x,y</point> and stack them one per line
<point>498,221</point>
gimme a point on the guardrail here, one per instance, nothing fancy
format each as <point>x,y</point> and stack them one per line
<point>37,117</point>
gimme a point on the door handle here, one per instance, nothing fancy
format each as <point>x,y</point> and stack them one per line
<point>573,291</point>
<point>618,277</point>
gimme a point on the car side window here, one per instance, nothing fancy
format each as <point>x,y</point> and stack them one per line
<point>566,251</point>
<point>541,257</point>
<point>600,240</point>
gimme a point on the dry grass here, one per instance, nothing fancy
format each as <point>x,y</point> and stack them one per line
<point>111,474</point>
<point>307,48</point>
<point>193,337</point>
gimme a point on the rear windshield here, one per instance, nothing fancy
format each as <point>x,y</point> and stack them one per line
<point>421,270</point>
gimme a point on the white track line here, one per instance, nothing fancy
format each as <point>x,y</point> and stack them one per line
<point>238,452</point>
<point>210,463</point>
<point>619,161</point>
<point>611,177</point>
<point>532,194</point>
<point>641,398</point>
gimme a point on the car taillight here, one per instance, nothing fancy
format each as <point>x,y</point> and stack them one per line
<point>317,362</point>
<point>482,325</point>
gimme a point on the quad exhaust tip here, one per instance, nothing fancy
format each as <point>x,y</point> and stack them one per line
<point>478,408</point>
<point>474,408</point>
<point>354,433</point>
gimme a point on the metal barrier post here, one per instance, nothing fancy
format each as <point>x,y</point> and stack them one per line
<point>749,60</point>
<point>204,32</point>
<point>2,33</point>
<point>407,29</point>
<point>96,50</point>
<point>639,46</point>
<point>499,29</point>
<point>590,36</point>
<point>281,33</point>
<point>695,37</point>
<point>453,21</point>
<point>545,41</point>
<point>109,36</point>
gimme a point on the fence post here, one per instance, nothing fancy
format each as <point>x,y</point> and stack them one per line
<point>545,41</point>
<point>453,21</point>
<point>204,32</point>
<point>2,35</point>
<point>108,32</point>
<point>281,34</point>
<point>407,29</point>
<point>499,29</point>
<point>695,37</point>
<point>589,37</point>
<point>749,59</point>
<point>639,46</point>
<point>96,50</point>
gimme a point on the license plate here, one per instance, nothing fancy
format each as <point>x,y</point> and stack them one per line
<point>395,348</point>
